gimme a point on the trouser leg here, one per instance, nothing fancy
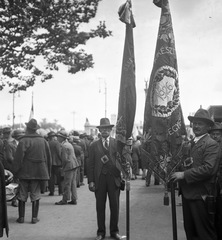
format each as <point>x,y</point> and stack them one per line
<point>52,182</point>
<point>101,196</point>
<point>73,185</point>
<point>21,211</point>
<point>35,211</point>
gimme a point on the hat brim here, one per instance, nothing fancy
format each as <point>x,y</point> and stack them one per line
<point>215,129</point>
<point>105,126</point>
<point>209,121</point>
<point>53,135</point>
<point>36,128</point>
<point>59,135</point>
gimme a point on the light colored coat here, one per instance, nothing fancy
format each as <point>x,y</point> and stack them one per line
<point>69,160</point>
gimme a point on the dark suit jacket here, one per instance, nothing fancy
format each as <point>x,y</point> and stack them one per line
<point>3,205</point>
<point>95,164</point>
<point>200,178</point>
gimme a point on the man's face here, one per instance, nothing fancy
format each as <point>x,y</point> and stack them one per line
<point>105,132</point>
<point>216,135</point>
<point>6,135</point>
<point>200,127</point>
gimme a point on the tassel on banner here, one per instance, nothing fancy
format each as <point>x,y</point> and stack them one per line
<point>166,199</point>
<point>158,3</point>
<point>126,15</point>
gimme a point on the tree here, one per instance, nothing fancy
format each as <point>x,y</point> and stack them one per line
<point>48,28</point>
<point>50,125</point>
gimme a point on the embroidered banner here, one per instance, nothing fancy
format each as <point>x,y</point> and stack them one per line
<point>127,94</point>
<point>163,119</point>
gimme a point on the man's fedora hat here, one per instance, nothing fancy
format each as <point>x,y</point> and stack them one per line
<point>6,130</point>
<point>51,134</point>
<point>203,115</point>
<point>105,123</point>
<point>216,126</point>
<point>17,133</point>
<point>76,138</point>
<point>32,124</point>
<point>62,133</point>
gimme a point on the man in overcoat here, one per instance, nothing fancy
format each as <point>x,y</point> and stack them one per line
<point>197,180</point>
<point>3,205</point>
<point>32,165</point>
<point>104,178</point>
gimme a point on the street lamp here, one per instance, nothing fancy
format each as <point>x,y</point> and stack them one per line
<point>13,108</point>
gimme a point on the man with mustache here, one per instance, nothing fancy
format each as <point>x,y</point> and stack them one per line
<point>197,180</point>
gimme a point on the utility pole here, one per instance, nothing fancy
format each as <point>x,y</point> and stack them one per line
<point>13,110</point>
<point>20,121</point>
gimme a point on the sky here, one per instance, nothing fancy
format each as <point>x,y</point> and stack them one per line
<point>94,94</point>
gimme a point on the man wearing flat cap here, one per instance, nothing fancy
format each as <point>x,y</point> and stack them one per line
<point>31,166</point>
<point>197,181</point>
<point>104,179</point>
<point>70,165</point>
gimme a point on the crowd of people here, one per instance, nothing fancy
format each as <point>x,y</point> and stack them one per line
<point>38,163</point>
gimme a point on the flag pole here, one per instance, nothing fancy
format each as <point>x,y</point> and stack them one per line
<point>173,209</point>
<point>128,208</point>
<point>127,104</point>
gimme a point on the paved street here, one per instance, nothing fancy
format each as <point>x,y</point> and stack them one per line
<point>149,218</point>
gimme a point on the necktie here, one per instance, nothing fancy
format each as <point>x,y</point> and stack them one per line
<point>106,144</point>
<point>192,143</point>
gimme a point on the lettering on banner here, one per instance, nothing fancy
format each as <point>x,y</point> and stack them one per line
<point>176,127</point>
<point>128,64</point>
<point>165,50</point>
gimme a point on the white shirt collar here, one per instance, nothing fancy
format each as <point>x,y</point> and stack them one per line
<point>105,139</point>
<point>196,139</point>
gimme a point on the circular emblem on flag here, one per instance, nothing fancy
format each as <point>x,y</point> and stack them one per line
<point>165,92</point>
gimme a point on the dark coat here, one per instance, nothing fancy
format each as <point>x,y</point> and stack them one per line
<point>3,206</point>
<point>200,177</point>
<point>56,153</point>
<point>79,153</point>
<point>95,164</point>
<point>32,158</point>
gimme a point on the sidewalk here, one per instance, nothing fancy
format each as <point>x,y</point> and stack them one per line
<point>149,218</point>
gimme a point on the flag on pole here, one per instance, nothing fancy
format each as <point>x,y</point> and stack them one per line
<point>32,110</point>
<point>127,93</point>
<point>163,118</point>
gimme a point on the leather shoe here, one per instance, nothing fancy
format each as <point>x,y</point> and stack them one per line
<point>99,237</point>
<point>61,203</point>
<point>116,236</point>
<point>73,202</point>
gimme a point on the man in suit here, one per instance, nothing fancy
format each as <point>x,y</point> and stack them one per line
<point>216,134</point>
<point>197,180</point>
<point>104,178</point>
